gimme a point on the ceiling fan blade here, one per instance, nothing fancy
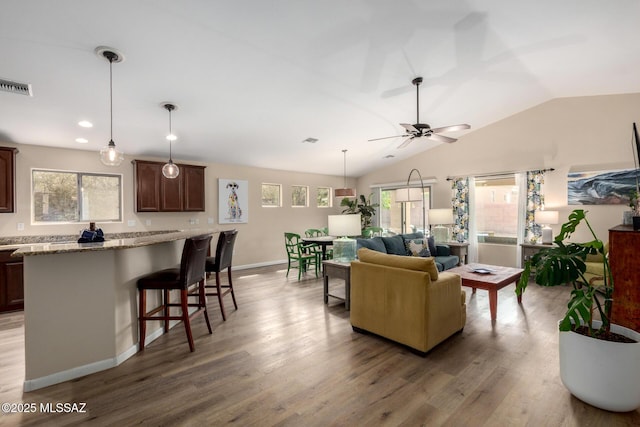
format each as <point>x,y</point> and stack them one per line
<point>409,128</point>
<point>440,138</point>
<point>406,142</point>
<point>451,128</point>
<point>386,137</point>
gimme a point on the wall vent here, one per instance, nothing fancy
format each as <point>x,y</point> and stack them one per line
<point>15,87</point>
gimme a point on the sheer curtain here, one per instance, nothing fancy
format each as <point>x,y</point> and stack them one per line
<point>521,182</point>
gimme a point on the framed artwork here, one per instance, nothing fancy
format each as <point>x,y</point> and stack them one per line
<point>233,201</point>
<point>612,187</point>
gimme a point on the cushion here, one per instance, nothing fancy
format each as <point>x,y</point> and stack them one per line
<point>375,244</point>
<point>432,245</point>
<point>417,247</point>
<point>427,265</point>
<point>448,261</point>
<point>394,245</point>
<point>416,235</point>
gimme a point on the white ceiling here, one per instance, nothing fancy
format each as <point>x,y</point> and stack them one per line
<point>254,78</point>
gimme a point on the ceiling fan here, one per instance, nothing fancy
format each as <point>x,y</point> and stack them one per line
<point>422,130</point>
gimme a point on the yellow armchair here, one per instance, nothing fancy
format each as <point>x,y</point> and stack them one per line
<point>405,299</point>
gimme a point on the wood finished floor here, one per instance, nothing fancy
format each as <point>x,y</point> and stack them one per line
<point>284,358</point>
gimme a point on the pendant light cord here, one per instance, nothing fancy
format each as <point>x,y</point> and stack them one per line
<point>110,57</point>
<point>170,136</point>
<point>345,168</point>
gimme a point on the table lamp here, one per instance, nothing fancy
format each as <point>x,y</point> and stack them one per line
<point>343,226</point>
<point>438,218</point>
<point>546,218</point>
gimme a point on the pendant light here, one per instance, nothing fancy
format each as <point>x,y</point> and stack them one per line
<point>109,154</point>
<point>170,170</point>
<point>344,191</point>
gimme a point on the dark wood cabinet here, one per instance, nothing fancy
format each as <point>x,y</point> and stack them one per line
<point>7,179</point>
<point>155,193</point>
<point>624,247</point>
<point>194,195</point>
<point>11,282</point>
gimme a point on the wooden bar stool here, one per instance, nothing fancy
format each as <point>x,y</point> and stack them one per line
<point>222,260</point>
<point>191,271</point>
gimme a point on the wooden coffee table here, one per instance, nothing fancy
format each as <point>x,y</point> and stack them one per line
<point>496,279</point>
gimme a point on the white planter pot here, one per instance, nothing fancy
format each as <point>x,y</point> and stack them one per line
<point>601,373</point>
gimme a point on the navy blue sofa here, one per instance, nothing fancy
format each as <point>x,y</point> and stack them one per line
<point>396,245</point>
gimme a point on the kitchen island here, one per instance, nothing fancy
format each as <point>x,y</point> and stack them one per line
<point>80,311</point>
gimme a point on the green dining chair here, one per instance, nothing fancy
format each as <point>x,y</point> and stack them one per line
<point>299,255</point>
<point>370,232</point>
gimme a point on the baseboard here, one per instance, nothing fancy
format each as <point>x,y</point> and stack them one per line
<point>91,368</point>
<point>259,264</point>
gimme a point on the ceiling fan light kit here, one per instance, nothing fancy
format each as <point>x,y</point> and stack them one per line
<point>423,130</point>
<point>109,154</point>
<point>170,170</point>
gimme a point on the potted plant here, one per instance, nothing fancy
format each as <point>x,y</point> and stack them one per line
<point>598,360</point>
<point>360,205</point>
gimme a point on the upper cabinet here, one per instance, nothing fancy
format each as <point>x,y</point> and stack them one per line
<point>155,193</point>
<point>7,179</point>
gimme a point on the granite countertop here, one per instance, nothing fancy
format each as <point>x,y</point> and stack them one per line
<point>56,245</point>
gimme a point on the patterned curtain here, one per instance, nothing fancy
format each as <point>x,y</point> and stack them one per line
<point>535,201</point>
<point>460,203</point>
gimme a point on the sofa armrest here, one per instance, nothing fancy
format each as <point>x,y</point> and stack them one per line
<point>443,250</point>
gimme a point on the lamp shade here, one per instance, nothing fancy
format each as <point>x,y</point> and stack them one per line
<point>345,192</point>
<point>344,225</point>
<point>440,216</point>
<point>546,217</point>
<point>409,194</point>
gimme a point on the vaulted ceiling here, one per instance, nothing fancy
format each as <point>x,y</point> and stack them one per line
<point>253,79</point>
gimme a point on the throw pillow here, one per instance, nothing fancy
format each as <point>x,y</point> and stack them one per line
<point>432,246</point>
<point>417,247</point>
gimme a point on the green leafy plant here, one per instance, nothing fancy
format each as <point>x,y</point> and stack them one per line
<point>361,205</point>
<point>564,263</point>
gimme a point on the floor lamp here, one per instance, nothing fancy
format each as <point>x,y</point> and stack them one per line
<point>413,194</point>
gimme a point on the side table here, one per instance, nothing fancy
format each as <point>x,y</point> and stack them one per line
<point>460,249</point>
<point>529,250</point>
<point>338,270</point>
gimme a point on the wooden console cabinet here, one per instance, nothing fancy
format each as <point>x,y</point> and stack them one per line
<point>11,282</point>
<point>155,193</point>
<point>624,250</point>
<point>7,179</point>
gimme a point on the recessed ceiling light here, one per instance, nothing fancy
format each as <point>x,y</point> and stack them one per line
<point>82,140</point>
<point>389,156</point>
<point>85,124</point>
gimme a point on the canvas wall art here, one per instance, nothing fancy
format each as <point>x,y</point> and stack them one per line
<point>233,201</point>
<point>601,187</point>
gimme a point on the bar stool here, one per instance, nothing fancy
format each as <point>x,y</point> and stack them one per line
<point>191,271</point>
<point>222,260</point>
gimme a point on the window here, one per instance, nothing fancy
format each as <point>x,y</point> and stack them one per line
<point>324,197</point>
<point>496,206</point>
<point>299,196</point>
<point>271,195</point>
<point>402,217</point>
<point>75,197</point>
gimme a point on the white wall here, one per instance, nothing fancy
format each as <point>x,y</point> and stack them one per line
<point>593,132</point>
<point>260,241</point>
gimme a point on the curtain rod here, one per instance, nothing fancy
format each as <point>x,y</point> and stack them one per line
<point>497,174</point>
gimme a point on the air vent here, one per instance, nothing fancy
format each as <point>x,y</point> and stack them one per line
<point>15,87</point>
<point>310,140</point>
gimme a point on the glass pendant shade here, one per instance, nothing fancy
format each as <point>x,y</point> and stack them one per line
<point>110,155</point>
<point>170,170</point>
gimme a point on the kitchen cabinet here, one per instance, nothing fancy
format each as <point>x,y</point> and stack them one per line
<point>155,193</point>
<point>11,282</point>
<point>7,179</point>
<point>624,246</point>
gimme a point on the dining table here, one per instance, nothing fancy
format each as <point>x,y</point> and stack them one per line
<point>322,241</point>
